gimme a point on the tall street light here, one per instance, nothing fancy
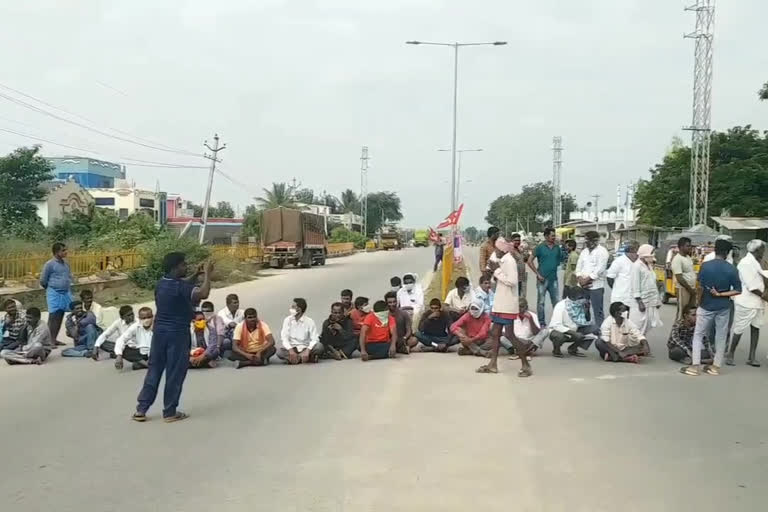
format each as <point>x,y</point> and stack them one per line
<point>458,171</point>
<point>456,47</point>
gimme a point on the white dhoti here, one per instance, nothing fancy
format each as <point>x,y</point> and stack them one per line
<point>645,320</point>
<point>744,317</point>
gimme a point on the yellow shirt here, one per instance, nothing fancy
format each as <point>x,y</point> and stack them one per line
<point>254,341</point>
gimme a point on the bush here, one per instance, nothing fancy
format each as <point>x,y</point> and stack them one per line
<point>155,250</point>
<point>342,235</point>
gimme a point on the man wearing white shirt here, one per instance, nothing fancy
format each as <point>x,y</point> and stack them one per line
<point>134,344</point>
<point>107,339</point>
<point>570,323</point>
<point>299,336</point>
<point>94,307</point>
<point>458,300</point>
<point>749,305</point>
<point>229,318</point>
<point>590,272</point>
<point>410,298</point>
<point>619,275</point>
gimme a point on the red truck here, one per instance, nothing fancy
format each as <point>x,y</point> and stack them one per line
<point>294,237</point>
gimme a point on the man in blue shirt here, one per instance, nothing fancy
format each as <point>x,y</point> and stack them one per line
<point>718,282</point>
<point>56,280</point>
<point>549,255</point>
<point>175,299</point>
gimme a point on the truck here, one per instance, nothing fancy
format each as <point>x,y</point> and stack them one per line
<point>293,237</point>
<point>390,240</point>
<point>421,238</point>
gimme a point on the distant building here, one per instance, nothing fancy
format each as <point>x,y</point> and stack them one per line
<point>125,199</point>
<point>349,220</point>
<point>61,196</point>
<point>219,231</point>
<point>743,229</point>
<point>178,207</point>
<point>87,172</point>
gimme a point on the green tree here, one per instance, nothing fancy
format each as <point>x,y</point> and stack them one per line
<point>305,195</point>
<point>281,194</point>
<point>343,235</point>
<point>100,228</point>
<point>383,207</point>
<point>252,222</point>
<point>223,210</point>
<point>472,234</point>
<point>531,208</point>
<point>197,209</point>
<point>763,93</point>
<point>738,181</point>
<point>21,174</point>
<point>349,202</point>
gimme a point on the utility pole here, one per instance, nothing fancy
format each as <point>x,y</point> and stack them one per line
<point>213,157</point>
<point>364,189</point>
<point>557,163</point>
<point>702,108</point>
<point>597,214</point>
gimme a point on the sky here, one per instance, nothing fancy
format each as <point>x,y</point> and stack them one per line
<point>296,88</point>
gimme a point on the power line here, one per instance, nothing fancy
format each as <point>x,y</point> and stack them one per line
<point>39,110</point>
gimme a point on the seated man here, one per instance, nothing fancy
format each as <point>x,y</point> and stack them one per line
<point>134,344</point>
<point>378,336</point>
<point>107,339</point>
<point>38,342</point>
<point>472,330</point>
<point>229,317</point>
<point>94,307</point>
<point>458,300</point>
<point>337,335</point>
<point>396,283</point>
<point>570,324</point>
<point>253,343</point>
<point>81,327</point>
<point>299,337</point>
<point>346,301</point>
<point>485,292</point>
<point>404,323</point>
<point>620,339</point>
<point>680,341</point>
<point>205,342</point>
<point>12,325</point>
<point>434,329</point>
<point>410,298</point>
<point>527,328</point>
<point>357,315</point>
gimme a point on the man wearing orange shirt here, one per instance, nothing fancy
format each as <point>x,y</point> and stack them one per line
<point>252,342</point>
<point>358,314</point>
<point>378,334</point>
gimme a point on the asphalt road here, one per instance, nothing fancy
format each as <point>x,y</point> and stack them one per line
<point>418,433</point>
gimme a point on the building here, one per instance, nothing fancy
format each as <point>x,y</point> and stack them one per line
<point>219,231</point>
<point>349,220</point>
<point>125,199</point>
<point>178,207</point>
<point>87,172</point>
<point>743,229</point>
<point>61,196</point>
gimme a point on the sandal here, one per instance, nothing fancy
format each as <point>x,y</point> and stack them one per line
<point>557,354</point>
<point>516,357</point>
<point>525,372</point>
<point>712,370</point>
<point>576,354</point>
<point>487,369</point>
<point>139,417</point>
<point>689,370</point>
<point>176,417</point>
<point>753,363</point>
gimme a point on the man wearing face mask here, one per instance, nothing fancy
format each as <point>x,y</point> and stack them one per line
<point>378,336</point>
<point>620,339</point>
<point>106,341</point>
<point>458,300</point>
<point>337,335</point>
<point>362,308</point>
<point>299,336</point>
<point>473,330</point>
<point>571,324</point>
<point>395,283</point>
<point>411,297</point>
<point>205,341</point>
<point>135,343</point>
<point>645,291</point>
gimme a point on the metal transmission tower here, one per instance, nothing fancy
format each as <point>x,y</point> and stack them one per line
<point>364,189</point>
<point>557,164</point>
<point>702,108</point>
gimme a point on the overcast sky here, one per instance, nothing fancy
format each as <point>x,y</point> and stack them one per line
<point>295,88</point>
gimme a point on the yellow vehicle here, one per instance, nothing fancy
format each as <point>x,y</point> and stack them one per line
<point>667,284</point>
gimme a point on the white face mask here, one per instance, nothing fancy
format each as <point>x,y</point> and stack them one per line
<point>625,315</point>
<point>366,308</point>
<point>476,313</point>
<point>293,312</point>
<point>146,322</point>
<point>395,289</point>
<point>409,286</point>
<point>383,317</point>
<point>208,315</point>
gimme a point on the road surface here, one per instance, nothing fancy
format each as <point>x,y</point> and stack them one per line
<point>419,433</point>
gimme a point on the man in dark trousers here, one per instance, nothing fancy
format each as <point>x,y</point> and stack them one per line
<point>175,298</point>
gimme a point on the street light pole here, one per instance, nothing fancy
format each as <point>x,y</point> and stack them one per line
<point>457,187</point>
<point>455,47</point>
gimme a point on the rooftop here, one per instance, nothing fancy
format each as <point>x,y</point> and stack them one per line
<point>742,223</point>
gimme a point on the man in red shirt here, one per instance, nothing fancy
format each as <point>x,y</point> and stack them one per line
<point>378,334</point>
<point>358,314</point>
<point>472,329</point>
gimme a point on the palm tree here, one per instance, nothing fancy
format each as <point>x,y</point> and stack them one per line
<point>349,202</point>
<point>280,195</point>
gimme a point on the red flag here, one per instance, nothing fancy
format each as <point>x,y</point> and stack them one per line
<point>452,219</point>
<point>432,235</point>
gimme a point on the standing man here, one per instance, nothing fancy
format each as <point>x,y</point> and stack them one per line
<point>619,276</point>
<point>682,269</point>
<point>521,256</point>
<point>439,243</point>
<point>590,273</point>
<point>56,280</point>
<point>748,306</point>
<point>569,276</point>
<point>488,248</point>
<point>718,282</point>
<point>175,298</point>
<point>549,255</point>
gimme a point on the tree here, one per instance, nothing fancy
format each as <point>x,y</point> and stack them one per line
<point>252,224</point>
<point>223,210</point>
<point>383,207</point>
<point>472,234</point>
<point>349,202</point>
<point>305,195</point>
<point>280,195</point>
<point>21,174</point>
<point>530,210</point>
<point>738,181</point>
<point>197,210</point>
<point>763,93</point>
